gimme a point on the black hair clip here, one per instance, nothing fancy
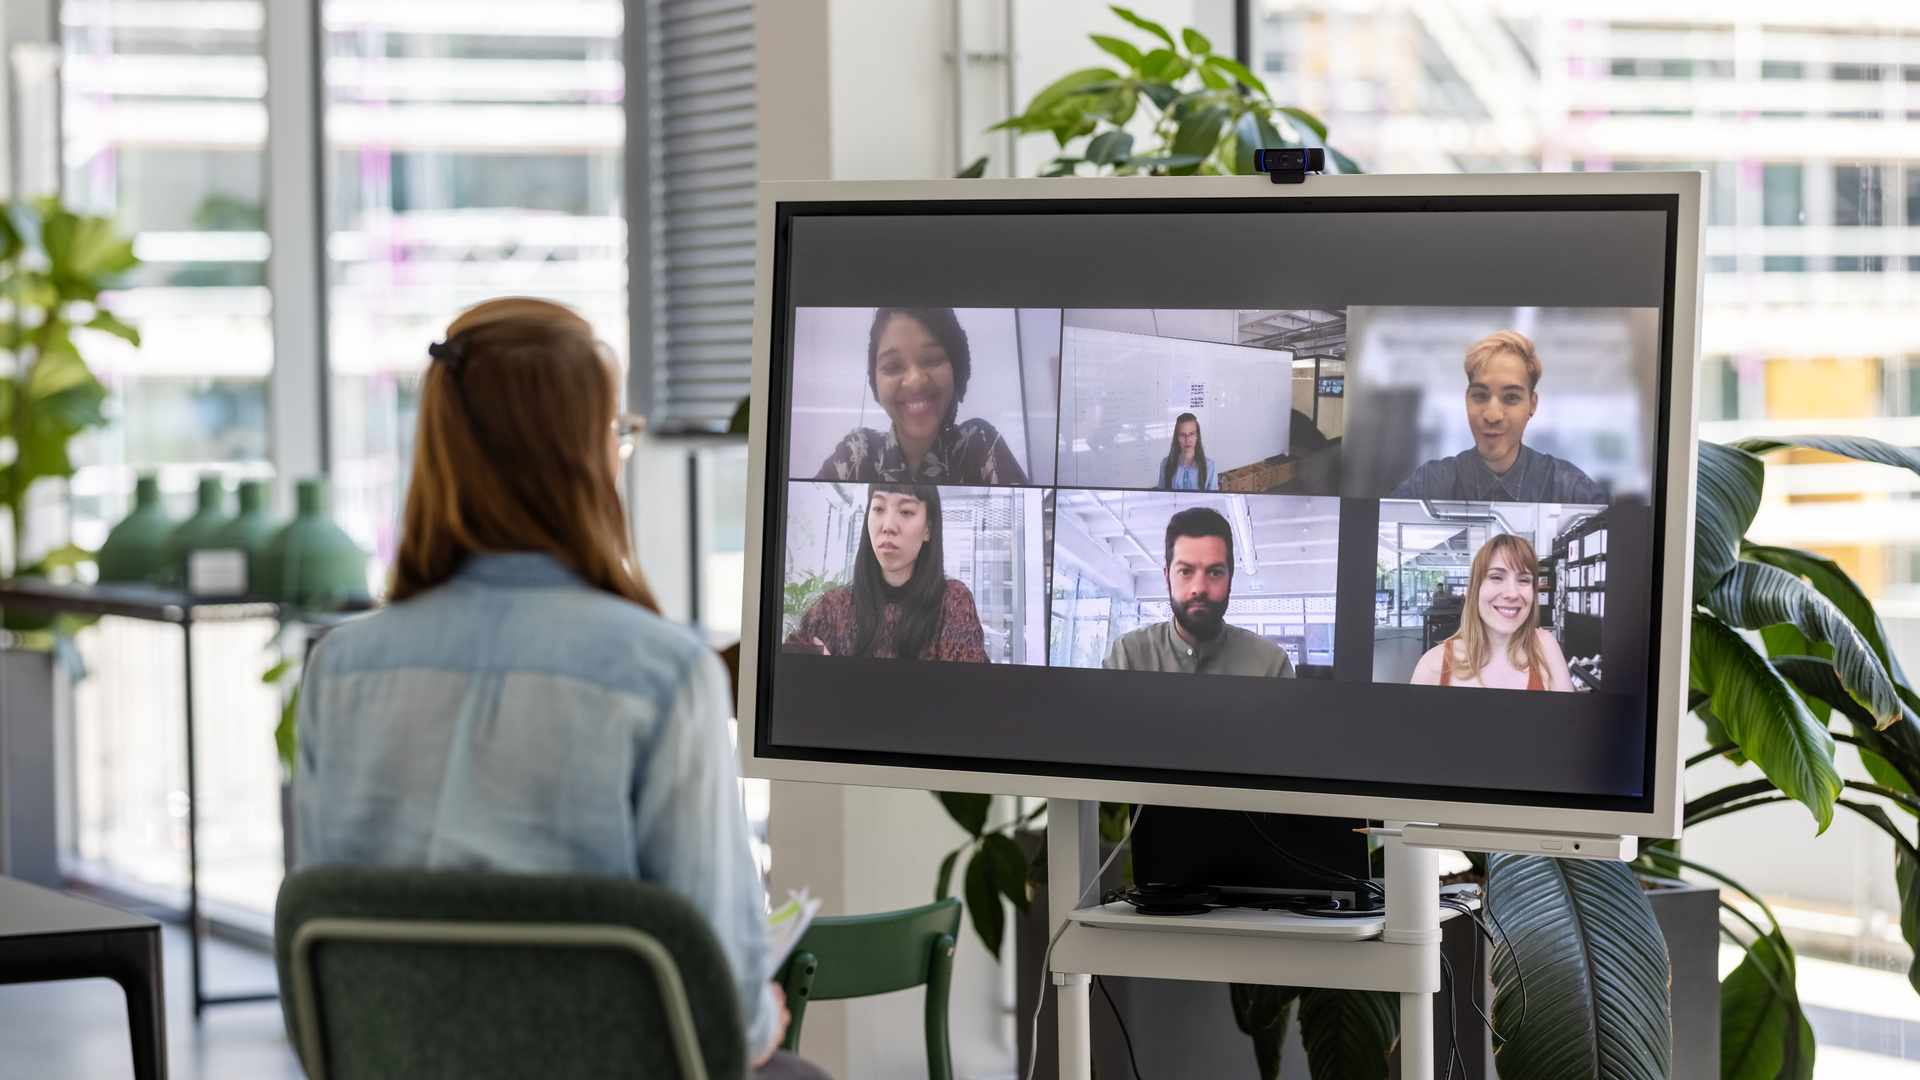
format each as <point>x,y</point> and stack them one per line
<point>451,352</point>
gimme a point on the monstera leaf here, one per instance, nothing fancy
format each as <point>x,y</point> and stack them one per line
<point>1580,936</point>
<point>1725,500</point>
<point>1760,711</point>
<point>1755,595</point>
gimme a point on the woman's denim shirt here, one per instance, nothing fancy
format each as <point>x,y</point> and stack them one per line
<point>515,719</point>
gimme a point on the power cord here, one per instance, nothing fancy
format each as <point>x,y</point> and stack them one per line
<point>1122,1021</point>
<point>1046,959</point>
<point>1371,886</point>
<point>1519,976</point>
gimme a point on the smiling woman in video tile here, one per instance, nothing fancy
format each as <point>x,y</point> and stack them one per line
<point>918,364</point>
<point>1500,644</point>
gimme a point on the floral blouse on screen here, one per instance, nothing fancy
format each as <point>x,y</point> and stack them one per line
<point>970,452</point>
<point>831,620</point>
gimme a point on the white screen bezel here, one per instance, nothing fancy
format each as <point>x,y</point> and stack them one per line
<point>1671,682</point>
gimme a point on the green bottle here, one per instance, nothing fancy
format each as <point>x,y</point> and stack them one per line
<point>132,550</point>
<point>250,530</point>
<point>311,562</point>
<point>195,533</point>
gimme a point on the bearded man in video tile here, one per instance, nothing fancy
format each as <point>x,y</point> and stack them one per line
<point>1503,374</point>
<point>1199,576</point>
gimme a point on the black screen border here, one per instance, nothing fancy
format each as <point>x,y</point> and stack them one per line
<point>777,477</point>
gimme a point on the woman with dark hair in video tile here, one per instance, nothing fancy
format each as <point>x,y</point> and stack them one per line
<point>901,602</point>
<point>1500,643</point>
<point>1187,466</point>
<point>1503,374</point>
<point>917,367</point>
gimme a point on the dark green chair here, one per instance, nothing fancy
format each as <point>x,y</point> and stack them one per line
<point>430,975</point>
<point>858,955</point>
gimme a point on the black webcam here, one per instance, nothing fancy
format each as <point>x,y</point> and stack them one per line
<point>1290,166</point>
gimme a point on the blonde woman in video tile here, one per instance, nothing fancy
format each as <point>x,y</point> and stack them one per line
<point>1500,644</point>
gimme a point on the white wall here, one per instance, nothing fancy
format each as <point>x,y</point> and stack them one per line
<point>862,89</point>
<point>1121,392</point>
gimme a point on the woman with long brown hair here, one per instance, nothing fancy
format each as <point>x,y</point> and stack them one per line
<point>900,603</point>
<point>1500,643</point>
<point>1187,466</point>
<point>520,706</point>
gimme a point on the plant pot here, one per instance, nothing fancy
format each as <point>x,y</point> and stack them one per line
<point>198,531</point>
<point>311,562</point>
<point>134,548</point>
<point>1689,918</point>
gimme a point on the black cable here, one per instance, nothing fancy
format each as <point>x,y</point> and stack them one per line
<point>1453,1019</point>
<point>1304,863</point>
<point>1518,975</point>
<point>1467,910</point>
<point>1299,863</point>
<point>1118,1019</point>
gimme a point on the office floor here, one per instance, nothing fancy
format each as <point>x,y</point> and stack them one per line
<point>78,1030</point>
<point>1867,1023</point>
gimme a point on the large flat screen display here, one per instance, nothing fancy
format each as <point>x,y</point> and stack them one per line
<point>1325,495</point>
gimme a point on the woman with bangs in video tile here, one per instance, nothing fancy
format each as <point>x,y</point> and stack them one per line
<point>901,602</point>
<point>918,365</point>
<point>1500,644</point>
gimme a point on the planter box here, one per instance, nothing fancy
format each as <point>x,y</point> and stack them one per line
<point>1689,917</point>
<point>34,691</point>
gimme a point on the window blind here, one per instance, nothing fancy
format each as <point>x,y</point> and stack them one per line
<point>704,197</point>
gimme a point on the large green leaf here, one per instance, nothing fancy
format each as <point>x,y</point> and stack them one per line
<point>1124,50</point>
<point>1199,133</point>
<point>983,902</point>
<point>968,809</point>
<point>1238,72</point>
<point>1754,595</point>
<point>1262,1013</point>
<point>1763,714</point>
<point>1837,586</point>
<point>1856,447</point>
<point>1110,148</point>
<point>1007,871</point>
<point>1348,1034</point>
<point>1149,26</point>
<point>1725,501</point>
<point>1905,872</point>
<point>1581,935</point>
<point>1891,755</point>
<point>1764,1035</point>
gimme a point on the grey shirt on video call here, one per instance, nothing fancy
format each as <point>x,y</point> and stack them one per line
<point>1234,652</point>
<point>1534,478</point>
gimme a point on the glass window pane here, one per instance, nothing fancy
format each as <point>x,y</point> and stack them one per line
<point>164,125</point>
<point>473,151</point>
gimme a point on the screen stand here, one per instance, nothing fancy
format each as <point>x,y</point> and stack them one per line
<point>1405,958</point>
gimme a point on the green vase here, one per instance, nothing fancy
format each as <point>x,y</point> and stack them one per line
<point>311,562</point>
<point>133,549</point>
<point>250,530</point>
<point>195,533</point>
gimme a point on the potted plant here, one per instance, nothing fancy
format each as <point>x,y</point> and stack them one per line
<point>54,264</point>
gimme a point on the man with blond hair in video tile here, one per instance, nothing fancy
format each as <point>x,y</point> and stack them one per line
<point>1199,576</point>
<point>1503,374</point>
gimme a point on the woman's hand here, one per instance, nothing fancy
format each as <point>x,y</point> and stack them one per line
<point>824,651</point>
<point>779,1027</point>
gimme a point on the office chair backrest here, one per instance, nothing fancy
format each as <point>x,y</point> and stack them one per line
<point>390,974</point>
<point>857,955</point>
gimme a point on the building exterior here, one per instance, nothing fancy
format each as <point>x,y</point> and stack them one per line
<point>1807,119</point>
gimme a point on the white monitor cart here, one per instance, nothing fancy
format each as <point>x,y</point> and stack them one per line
<point>1400,953</point>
